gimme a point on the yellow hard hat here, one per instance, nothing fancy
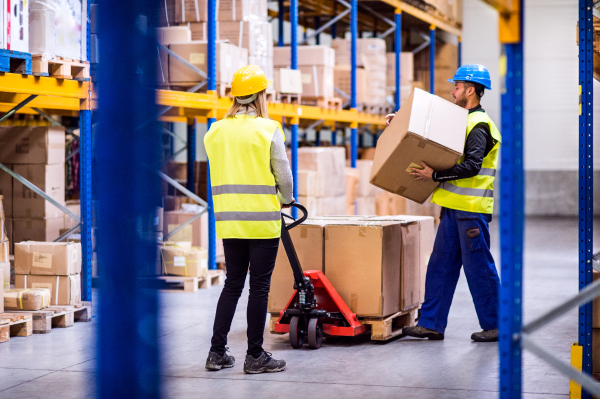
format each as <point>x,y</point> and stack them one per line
<point>249,80</point>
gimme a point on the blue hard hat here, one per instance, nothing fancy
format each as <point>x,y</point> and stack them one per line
<point>473,73</point>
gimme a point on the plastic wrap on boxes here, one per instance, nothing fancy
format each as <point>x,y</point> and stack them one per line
<point>67,20</point>
<point>41,33</point>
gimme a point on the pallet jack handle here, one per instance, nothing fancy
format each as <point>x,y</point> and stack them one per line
<point>299,279</point>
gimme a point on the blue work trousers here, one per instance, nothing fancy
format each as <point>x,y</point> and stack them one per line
<point>463,239</point>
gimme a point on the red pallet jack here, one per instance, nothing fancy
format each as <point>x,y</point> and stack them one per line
<point>315,308</point>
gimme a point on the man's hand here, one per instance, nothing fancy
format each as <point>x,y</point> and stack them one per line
<point>422,174</point>
<point>388,118</point>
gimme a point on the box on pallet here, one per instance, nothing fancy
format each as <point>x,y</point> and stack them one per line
<point>229,58</point>
<point>187,262</point>
<point>287,81</point>
<point>42,32</point>
<point>48,258</point>
<point>50,179</point>
<point>407,69</point>
<point>41,230</point>
<point>227,10</point>
<point>426,129</point>
<point>26,299</point>
<point>317,81</point>
<point>32,145</point>
<point>166,36</point>
<point>368,52</point>
<point>329,164</point>
<point>64,290</point>
<point>68,18</point>
<point>321,206</point>
<point>342,81</point>
<point>6,191</point>
<point>14,26</point>
<point>196,232</point>
<point>307,56</point>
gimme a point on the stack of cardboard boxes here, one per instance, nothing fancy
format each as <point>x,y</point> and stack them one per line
<point>376,264</point>
<point>407,75</point>
<point>37,154</point>
<point>370,74</point>
<point>322,180</point>
<point>449,9</point>
<point>366,193</point>
<point>52,265</point>
<point>315,64</point>
<point>446,63</point>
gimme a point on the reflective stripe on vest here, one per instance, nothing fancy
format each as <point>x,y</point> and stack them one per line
<point>244,192</point>
<point>473,194</point>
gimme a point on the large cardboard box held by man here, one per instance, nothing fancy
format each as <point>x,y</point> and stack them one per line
<point>426,129</point>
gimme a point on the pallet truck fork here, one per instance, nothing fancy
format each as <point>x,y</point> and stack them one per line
<point>315,308</point>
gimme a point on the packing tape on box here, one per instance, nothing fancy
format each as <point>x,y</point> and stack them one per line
<point>241,35</point>
<point>316,80</point>
<point>428,120</point>
<point>56,296</point>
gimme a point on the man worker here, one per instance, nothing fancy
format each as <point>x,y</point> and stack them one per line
<point>465,194</point>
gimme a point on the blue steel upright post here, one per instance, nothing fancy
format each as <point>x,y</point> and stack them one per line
<point>280,25</point>
<point>398,50</point>
<point>586,178</point>
<point>512,219</point>
<point>85,173</point>
<point>191,154</point>
<point>432,59</point>
<point>294,121</point>
<point>334,26</point>
<point>127,354</point>
<point>459,51</point>
<point>353,36</point>
<point>211,86</point>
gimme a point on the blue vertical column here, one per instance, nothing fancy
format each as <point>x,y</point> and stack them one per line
<point>317,27</point>
<point>191,155</point>
<point>353,36</point>
<point>294,121</point>
<point>280,19</point>
<point>333,135</point>
<point>127,354</point>
<point>85,178</point>
<point>432,59</point>
<point>333,31</point>
<point>512,188</point>
<point>459,51</point>
<point>586,178</point>
<point>212,85</point>
<point>398,50</point>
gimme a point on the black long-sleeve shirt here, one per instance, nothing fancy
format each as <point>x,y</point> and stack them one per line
<point>479,143</point>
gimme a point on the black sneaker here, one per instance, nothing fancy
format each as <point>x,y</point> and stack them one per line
<point>422,332</point>
<point>263,364</point>
<point>216,362</point>
<point>485,336</point>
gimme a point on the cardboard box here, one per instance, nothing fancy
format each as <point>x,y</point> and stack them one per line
<point>5,271</point>
<point>329,164</point>
<point>50,179</point>
<point>370,53</point>
<point>75,207</point>
<point>373,265</point>
<point>48,258</point>
<point>227,10</point>
<point>42,230</point>
<point>288,81</point>
<point>196,232</point>
<point>342,80</point>
<point>177,170</point>
<point>191,10</point>
<point>365,188</point>
<point>307,56</point>
<point>2,284</point>
<point>32,145</point>
<point>64,290</point>
<point>426,129</point>
<point>365,206</point>
<point>256,36</point>
<point>42,33</point>
<point>166,36</point>
<point>407,69</point>
<point>15,26</point>
<point>352,176</point>
<point>265,63</point>
<point>26,299</point>
<point>8,223</point>
<point>308,242</point>
<point>188,262</point>
<point>317,81</point>
<point>173,202</point>
<point>6,191</point>
<point>307,183</point>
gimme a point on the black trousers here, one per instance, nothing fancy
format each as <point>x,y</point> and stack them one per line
<point>259,255</point>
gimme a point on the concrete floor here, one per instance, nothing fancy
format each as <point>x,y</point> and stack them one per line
<point>61,364</point>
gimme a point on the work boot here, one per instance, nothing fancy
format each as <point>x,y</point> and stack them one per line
<point>263,364</point>
<point>422,332</point>
<point>485,336</point>
<point>217,362</point>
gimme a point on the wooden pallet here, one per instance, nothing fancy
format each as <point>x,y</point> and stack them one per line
<point>45,320</point>
<point>372,109</point>
<point>289,98</point>
<point>15,325</point>
<point>15,62</point>
<point>60,68</point>
<point>384,328</point>
<point>334,103</point>
<point>272,320</point>
<point>192,284</point>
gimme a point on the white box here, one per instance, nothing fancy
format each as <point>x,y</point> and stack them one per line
<point>42,32</point>
<point>15,25</point>
<point>287,81</point>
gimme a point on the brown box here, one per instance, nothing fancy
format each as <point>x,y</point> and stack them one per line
<point>8,223</point>
<point>426,129</point>
<point>255,36</point>
<point>68,288</point>
<point>42,230</point>
<point>195,53</point>
<point>48,258</point>
<point>32,144</point>
<point>75,207</point>
<point>177,170</point>
<point>368,52</point>
<point>407,69</point>
<point>191,10</point>
<point>342,80</point>
<point>287,81</point>
<point>330,167</point>
<point>352,176</point>
<point>6,191</point>
<point>50,179</point>
<point>173,202</point>
<point>374,265</point>
<point>308,242</point>
<point>237,10</point>
<point>317,81</point>
<point>196,232</point>
<point>5,271</point>
<point>26,299</point>
<point>188,262</point>
<point>166,36</point>
<point>307,56</point>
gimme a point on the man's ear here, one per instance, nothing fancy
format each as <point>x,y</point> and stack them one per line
<point>470,91</point>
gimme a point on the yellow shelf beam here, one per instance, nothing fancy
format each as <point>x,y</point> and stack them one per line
<point>43,86</point>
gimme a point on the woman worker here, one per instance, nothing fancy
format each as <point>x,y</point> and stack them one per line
<point>251,180</point>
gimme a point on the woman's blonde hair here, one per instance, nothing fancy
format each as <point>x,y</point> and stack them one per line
<point>259,105</point>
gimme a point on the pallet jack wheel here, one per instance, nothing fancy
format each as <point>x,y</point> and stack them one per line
<point>296,333</point>
<point>315,333</point>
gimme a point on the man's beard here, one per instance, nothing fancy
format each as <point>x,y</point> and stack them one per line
<point>461,101</point>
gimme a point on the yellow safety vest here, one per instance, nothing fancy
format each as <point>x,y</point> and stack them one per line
<point>244,193</point>
<point>475,194</point>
